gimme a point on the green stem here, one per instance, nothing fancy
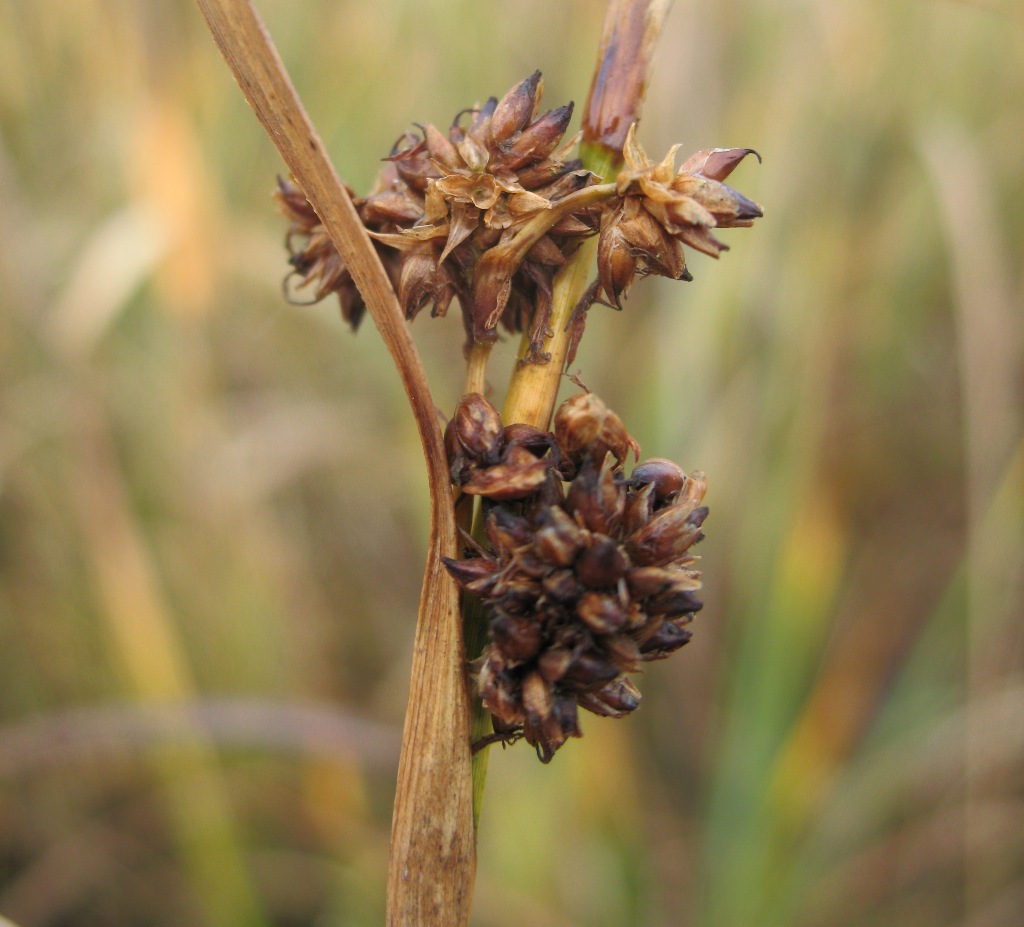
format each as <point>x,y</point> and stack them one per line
<point>534,387</point>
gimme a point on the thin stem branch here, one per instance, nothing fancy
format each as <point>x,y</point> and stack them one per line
<point>476,367</point>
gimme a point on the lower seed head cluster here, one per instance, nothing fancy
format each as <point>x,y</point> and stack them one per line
<point>586,574</point>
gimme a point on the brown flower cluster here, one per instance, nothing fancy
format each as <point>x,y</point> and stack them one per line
<point>660,209</point>
<point>488,211</point>
<point>587,573</point>
<point>444,201</point>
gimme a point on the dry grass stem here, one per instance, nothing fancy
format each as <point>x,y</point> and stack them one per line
<point>432,851</point>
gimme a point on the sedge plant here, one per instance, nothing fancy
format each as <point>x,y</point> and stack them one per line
<point>555,569</point>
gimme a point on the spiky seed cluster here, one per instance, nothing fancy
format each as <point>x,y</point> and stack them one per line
<point>489,210</point>
<point>447,199</point>
<point>660,209</point>
<point>588,573</point>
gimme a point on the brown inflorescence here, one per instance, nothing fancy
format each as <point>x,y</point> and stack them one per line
<point>660,209</point>
<point>586,574</point>
<point>487,212</point>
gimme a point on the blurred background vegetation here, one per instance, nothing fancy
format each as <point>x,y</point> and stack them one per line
<point>213,512</point>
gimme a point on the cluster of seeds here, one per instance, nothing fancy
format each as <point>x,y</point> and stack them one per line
<point>587,573</point>
<point>487,212</point>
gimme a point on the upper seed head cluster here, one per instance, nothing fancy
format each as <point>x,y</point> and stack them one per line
<point>487,212</point>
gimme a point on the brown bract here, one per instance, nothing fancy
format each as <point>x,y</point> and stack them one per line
<point>587,573</point>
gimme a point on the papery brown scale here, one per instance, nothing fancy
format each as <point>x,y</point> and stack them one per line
<point>656,251</point>
<point>480,127</point>
<point>720,200</point>
<point>623,651</point>
<point>440,149</point>
<point>546,252</point>
<point>602,564</point>
<point>352,307</point>
<point>423,282</point>
<point>579,421</point>
<point>537,702</point>
<point>566,714</point>
<point>537,140</point>
<point>697,516</point>
<point>679,212</point>
<point>568,182</point>
<point>615,439</point>
<point>474,153</point>
<point>468,571</point>
<point>646,582</point>
<point>716,163</point>
<point>602,613</point>
<point>560,540</point>
<point>525,204</point>
<point>529,563</point>
<point>700,239</point>
<point>665,477</point>
<point>571,227</point>
<point>614,700</point>
<point>675,603</point>
<point>395,206</point>
<point>589,669</point>
<point>498,689</point>
<point>552,493</point>
<point>638,508</point>
<point>561,586</point>
<point>534,439</point>
<point>492,284</point>
<point>478,189</point>
<point>465,218</point>
<point>616,263</point>
<point>668,638</point>
<point>453,450</point>
<point>694,489</point>
<point>595,500</point>
<point>477,426</point>
<point>413,163</point>
<point>538,177</point>
<point>516,591</point>
<point>515,110</point>
<point>518,637</point>
<point>553,664</point>
<point>540,300</point>
<point>508,481</point>
<point>664,538</point>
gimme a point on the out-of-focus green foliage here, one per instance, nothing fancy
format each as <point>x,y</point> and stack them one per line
<point>212,511</point>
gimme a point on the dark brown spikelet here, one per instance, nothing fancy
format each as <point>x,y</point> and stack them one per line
<point>588,573</point>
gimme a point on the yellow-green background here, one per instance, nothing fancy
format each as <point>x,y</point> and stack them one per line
<point>210,497</point>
